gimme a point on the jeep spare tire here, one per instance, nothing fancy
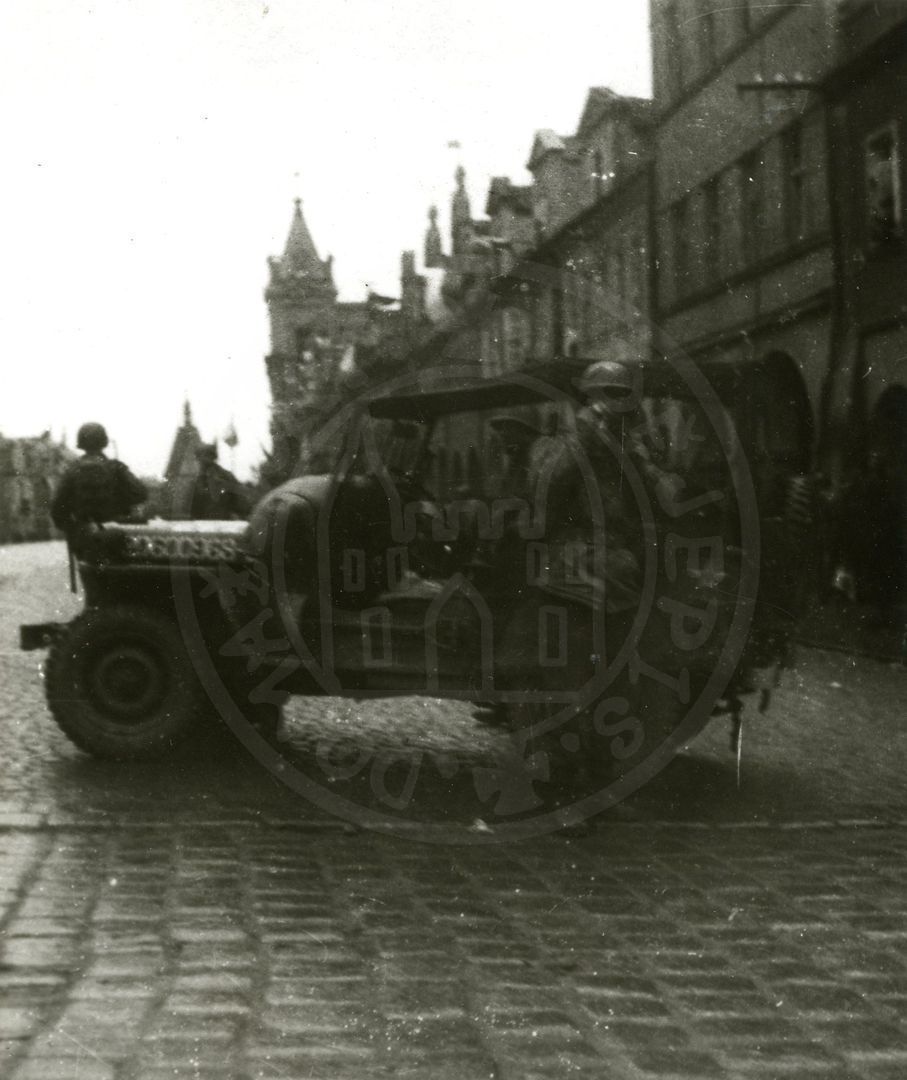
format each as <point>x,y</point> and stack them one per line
<point>120,683</point>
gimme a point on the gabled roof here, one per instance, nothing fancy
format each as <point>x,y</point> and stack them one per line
<point>547,142</point>
<point>186,441</point>
<point>602,100</point>
<point>501,192</point>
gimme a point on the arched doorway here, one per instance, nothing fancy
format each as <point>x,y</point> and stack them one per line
<point>873,519</point>
<point>888,428</point>
<point>779,428</point>
<point>782,415</point>
<point>887,483</point>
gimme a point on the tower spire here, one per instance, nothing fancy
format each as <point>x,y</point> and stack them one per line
<point>434,251</point>
<point>300,254</point>
<point>460,213</point>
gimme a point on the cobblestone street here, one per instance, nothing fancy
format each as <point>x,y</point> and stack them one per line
<point>196,917</point>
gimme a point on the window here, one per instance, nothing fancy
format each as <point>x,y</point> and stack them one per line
<point>516,329</point>
<point>751,208</point>
<point>884,213</point>
<point>598,173</point>
<point>746,15</point>
<point>588,313</point>
<point>708,48</point>
<point>572,295</point>
<point>680,243</point>
<point>795,179</point>
<point>637,275</point>
<point>620,278</point>
<point>303,340</point>
<point>673,48</point>
<point>711,214</point>
<point>611,291</point>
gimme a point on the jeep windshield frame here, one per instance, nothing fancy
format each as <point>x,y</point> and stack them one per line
<point>671,402</point>
<point>540,385</point>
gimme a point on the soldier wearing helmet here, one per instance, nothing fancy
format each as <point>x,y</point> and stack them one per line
<point>217,495</point>
<point>594,539</point>
<point>592,490</point>
<point>612,391</point>
<point>92,437</point>
<point>94,489</point>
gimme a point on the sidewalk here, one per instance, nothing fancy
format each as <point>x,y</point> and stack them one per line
<point>856,629</point>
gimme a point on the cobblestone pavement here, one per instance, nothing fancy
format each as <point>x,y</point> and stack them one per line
<point>196,918</point>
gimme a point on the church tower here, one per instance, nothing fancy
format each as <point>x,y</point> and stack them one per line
<point>303,312</point>
<point>301,294</point>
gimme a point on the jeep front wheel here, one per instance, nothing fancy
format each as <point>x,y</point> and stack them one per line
<point>120,684</point>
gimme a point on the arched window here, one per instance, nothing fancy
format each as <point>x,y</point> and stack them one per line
<point>456,470</point>
<point>473,469</point>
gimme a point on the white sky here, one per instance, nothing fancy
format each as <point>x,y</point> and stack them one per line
<point>153,149</point>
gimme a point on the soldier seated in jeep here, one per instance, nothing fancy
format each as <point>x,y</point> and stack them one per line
<point>94,489</point>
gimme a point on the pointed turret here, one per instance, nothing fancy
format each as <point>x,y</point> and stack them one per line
<point>299,277</point>
<point>182,467</point>
<point>434,250</point>
<point>300,255</point>
<point>460,214</point>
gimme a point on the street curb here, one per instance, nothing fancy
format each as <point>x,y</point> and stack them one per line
<point>25,822</point>
<point>882,656</point>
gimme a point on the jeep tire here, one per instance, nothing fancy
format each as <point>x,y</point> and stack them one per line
<point>121,685</point>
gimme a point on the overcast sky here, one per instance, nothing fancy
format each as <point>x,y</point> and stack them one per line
<point>154,148</point>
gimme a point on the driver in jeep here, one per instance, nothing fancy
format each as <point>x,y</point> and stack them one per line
<point>594,531</point>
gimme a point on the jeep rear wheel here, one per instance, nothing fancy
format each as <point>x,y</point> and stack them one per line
<point>120,684</point>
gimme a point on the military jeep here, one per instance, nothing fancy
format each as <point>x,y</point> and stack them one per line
<point>405,562</point>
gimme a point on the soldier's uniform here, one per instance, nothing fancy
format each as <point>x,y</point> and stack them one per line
<point>594,527</point>
<point>94,489</point>
<point>217,494</point>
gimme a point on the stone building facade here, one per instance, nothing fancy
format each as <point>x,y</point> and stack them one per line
<point>30,469</point>
<point>779,228</point>
<point>558,267</point>
<point>744,261</point>
<point>866,95</point>
<point>592,207</point>
<point>773,124</point>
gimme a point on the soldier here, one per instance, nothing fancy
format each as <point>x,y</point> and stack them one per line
<point>604,448</point>
<point>94,489</point>
<point>595,541</point>
<point>217,494</point>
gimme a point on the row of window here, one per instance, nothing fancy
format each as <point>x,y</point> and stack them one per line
<point>698,32</point>
<point>772,198</point>
<point>602,300</point>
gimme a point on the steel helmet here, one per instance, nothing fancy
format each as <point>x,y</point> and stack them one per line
<point>91,437</point>
<point>607,374</point>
